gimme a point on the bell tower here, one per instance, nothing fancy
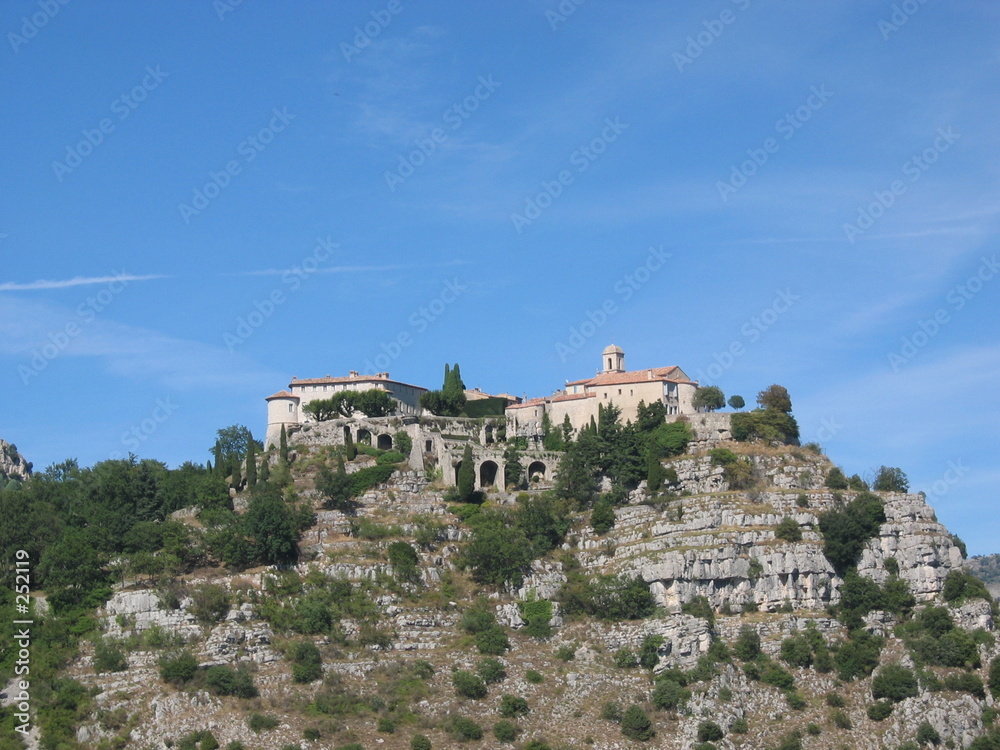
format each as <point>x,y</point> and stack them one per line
<point>612,359</point>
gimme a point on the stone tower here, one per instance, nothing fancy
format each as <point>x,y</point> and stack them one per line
<point>613,359</point>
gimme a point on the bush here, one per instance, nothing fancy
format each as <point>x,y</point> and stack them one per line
<point>709,731</point>
<point>649,651</point>
<point>788,529</point>
<point>209,603</point>
<point>699,606</point>
<point>602,518</point>
<point>895,682</point>
<point>927,734</point>
<point>960,587</point>
<point>307,663</point>
<point>537,614</point>
<point>108,657</point>
<point>841,720</point>
<point>512,706</point>
<point>534,676</point>
<point>477,618</point>
<point>403,559</point>
<point>791,741</point>
<point>566,652</point>
<point>420,742</point>
<point>845,532</point>
<point>879,710</point>
<point>739,726</point>
<point>966,682</point>
<point>836,480</point>
<point>386,725</point>
<point>178,669</point>
<point>747,646</point>
<point>796,651</point>
<point>859,656</point>
<point>261,722</point>
<point>492,641</point>
<point>505,731</point>
<point>225,681</point>
<point>625,658</point>
<point>669,695</point>
<point>891,479</point>
<point>795,700</point>
<point>468,685</point>
<point>491,671</point>
<point>464,729</point>
<point>834,700</point>
<point>636,725</point>
<point>390,457</point>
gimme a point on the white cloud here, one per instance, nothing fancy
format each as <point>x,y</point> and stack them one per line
<point>12,286</point>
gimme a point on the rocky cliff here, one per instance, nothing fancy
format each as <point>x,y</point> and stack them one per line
<point>13,467</point>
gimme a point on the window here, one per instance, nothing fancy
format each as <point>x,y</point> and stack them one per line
<point>619,391</point>
<point>291,408</point>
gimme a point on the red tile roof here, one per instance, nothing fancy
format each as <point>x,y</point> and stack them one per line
<point>350,379</point>
<point>673,374</point>
<point>280,394</point>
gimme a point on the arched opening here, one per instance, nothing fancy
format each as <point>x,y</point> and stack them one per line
<point>364,437</point>
<point>384,443</point>
<point>458,469</point>
<point>347,433</point>
<point>488,473</point>
<point>488,431</point>
<point>609,363</point>
<point>428,446</point>
<point>536,471</point>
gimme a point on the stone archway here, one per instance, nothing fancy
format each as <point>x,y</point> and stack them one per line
<point>488,472</point>
<point>364,436</point>
<point>384,443</point>
<point>536,471</point>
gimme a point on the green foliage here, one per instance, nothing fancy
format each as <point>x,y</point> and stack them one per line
<point>386,725</point>
<point>747,645</point>
<point>879,710</point>
<point>611,711</point>
<point>226,681</point>
<point>775,398</point>
<point>505,730</point>
<point>846,531</point>
<point>403,559</point>
<point>737,402</point>
<point>566,652</point>
<point>258,722</point>
<point>462,728</point>
<point>773,674</point>
<point>613,598</point>
<point>791,741</point>
<point>788,530</point>
<point>859,656</point>
<point>836,480</point>
<point>178,669</point>
<point>534,676</point>
<point>669,695</point>
<point>699,606</point>
<point>602,518</point>
<point>468,685</point>
<point>649,651</point>
<point>109,657</point>
<point>625,658</point>
<point>966,682</point>
<point>739,726</point>
<point>420,742</point>
<point>307,662</point>
<point>709,398</point>
<point>493,641</point>
<point>960,587</point>
<point>765,425</point>
<point>709,731</point>
<point>796,651</point>
<point>466,476</point>
<point>491,671</point>
<point>927,734</point>
<point>993,678</point>
<point>450,401</point>
<point>933,639</point>
<point>512,706</point>
<point>841,720</point>
<point>536,613</point>
<point>209,603</point>
<point>636,725</point>
<point>890,479</point>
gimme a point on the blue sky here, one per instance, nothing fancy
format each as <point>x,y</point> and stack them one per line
<point>204,199</point>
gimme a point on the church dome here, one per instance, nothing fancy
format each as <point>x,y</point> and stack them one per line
<point>613,349</point>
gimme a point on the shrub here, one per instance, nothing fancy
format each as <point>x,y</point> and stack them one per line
<point>534,676</point>
<point>403,559</point>
<point>505,731</point>
<point>625,658</point>
<point>966,682</point>
<point>225,681</point>
<point>611,711</point>
<point>795,700</point>
<point>813,730</point>
<point>493,641</point>
<point>602,518</point>
<point>178,669</point>
<point>709,731</point>
<point>927,734</point>
<point>747,646</point>
<point>464,729</point>
<point>788,529</point>
<point>566,652</point>
<point>491,671</point>
<point>699,606</point>
<point>307,663</point>
<point>890,479</point>
<point>895,683</point>
<point>261,722</point>
<point>846,531</point>
<point>209,603</point>
<point>841,720</point>
<point>477,618</point>
<point>879,710</point>
<point>739,726</point>
<point>796,651</point>
<point>834,700</point>
<point>791,741</point>
<point>311,734</point>
<point>859,656</point>
<point>468,685</point>
<point>512,706</point>
<point>537,614</point>
<point>993,678</point>
<point>420,742</point>
<point>772,674</point>
<point>669,695</point>
<point>636,725</point>
<point>108,657</point>
<point>836,480</point>
<point>386,725</point>
<point>960,587</point>
<point>649,651</point>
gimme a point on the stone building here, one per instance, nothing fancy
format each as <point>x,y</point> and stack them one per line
<point>612,384</point>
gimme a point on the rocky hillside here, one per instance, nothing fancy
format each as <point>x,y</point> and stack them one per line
<point>13,467</point>
<point>385,634</point>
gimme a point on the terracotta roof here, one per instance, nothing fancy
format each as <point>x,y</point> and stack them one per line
<point>552,399</point>
<point>350,379</point>
<point>571,397</point>
<point>280,394</point>
<point>674,374</point>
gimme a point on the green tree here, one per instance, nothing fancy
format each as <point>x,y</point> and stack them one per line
<point>891,479</point>
<point>895,682</point>
<point>335,487</point>
<point>636,725</point>
<point>283,446</point>
<point>836,480</point>
<point>233,443</point>
<point>513,472</point>
<point>602,518</point>
<point>736,402</point>
<point>252,464</point>
<point>466,475</point>
<point>271,526</point>
<point>775,398</point>
<point>709,398</point>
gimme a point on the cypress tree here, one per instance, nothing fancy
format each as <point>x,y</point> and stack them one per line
<point>265,471</point>
<point>283,446</point>
<point>466,475</point>
<point>237,476</point>
<point>251,464</point>
<point>350,449</point>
